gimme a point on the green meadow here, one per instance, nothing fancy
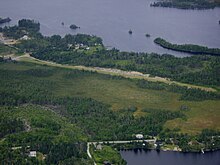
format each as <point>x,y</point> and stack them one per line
<point>121,93</point>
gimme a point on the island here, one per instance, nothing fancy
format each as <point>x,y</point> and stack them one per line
<point>147,35</point>
<point>187,4</point>
<point>73,26</point>
<point>4,20</point>
<point>130,32</point>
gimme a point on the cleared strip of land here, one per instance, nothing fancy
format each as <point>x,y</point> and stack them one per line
<point>117,72</point>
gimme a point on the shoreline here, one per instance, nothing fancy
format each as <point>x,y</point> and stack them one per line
<point>152,141</point>
<point>168,150</point>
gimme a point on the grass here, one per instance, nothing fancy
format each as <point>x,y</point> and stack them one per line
<point>117,93</point>
<point>28,58</point>
<point>169,147</point>
<point>6,50</point>
<point>205,114</point>
<point>123,93</point>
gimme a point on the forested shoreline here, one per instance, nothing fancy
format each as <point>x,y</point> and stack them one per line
<point>88,50</point>
<point>188,48</point>
<point>187,4</point>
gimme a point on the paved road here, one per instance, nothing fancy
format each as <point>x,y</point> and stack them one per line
<point>124,141</point>
<point>88,152</point>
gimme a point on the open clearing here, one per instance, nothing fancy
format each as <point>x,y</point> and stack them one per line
<point>124,93</point>
<point>127,74</point>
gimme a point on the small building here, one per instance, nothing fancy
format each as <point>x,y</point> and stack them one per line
<point>99,147</point>
<point>33,154</point>
<point>25,37</point>
<point>77,46</point>
<point>139,136</point>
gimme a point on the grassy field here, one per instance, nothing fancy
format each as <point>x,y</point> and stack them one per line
<point>5,50</point>
<point>124,93</point>
<point>117,93</point>
<point>205,114</point>
<point>134,75</point>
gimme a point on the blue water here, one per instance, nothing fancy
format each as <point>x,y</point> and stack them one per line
<point>153,157</point>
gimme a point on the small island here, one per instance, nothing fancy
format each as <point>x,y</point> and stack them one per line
<point>147,35</point>
<point>130,32</point>
<point>73,26</point>
<point>4,20</point>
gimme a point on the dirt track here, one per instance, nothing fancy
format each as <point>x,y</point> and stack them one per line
<point>118,72</point>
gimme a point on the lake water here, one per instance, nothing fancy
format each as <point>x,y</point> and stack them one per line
<point>153,157</point>
<point>112,19</point>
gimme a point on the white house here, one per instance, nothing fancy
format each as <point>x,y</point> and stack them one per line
<point>33,154</point>
<point>25,37</point>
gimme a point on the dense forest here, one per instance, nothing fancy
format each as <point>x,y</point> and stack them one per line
<point>41,109</point>
<point>186,4</point>
<point>20,87</point>
<point>24,27</point>
<point>33,128</point>
<point>21,91</point>
<point>95,119</point>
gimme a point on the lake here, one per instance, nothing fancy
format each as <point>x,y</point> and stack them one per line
<point>153,157</point>
<point>112,19</point>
